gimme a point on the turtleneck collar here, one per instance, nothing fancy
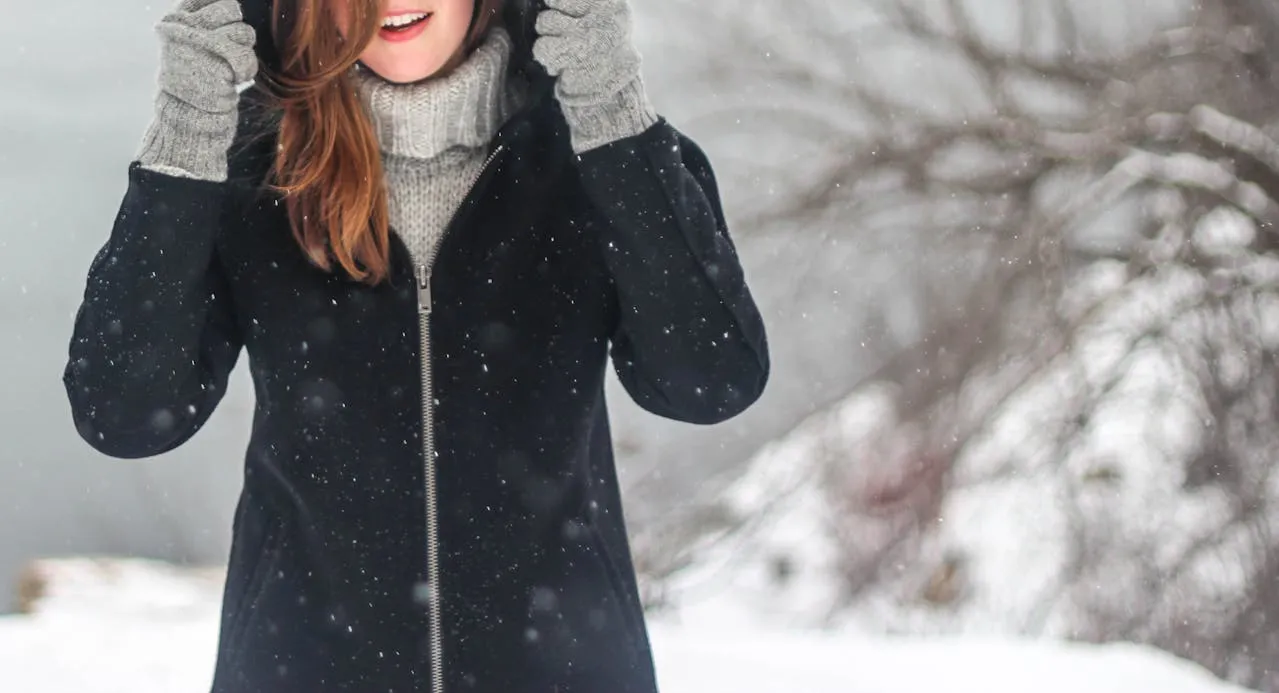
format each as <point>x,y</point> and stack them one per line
<point>463,109</point>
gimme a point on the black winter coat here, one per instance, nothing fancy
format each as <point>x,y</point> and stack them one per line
<point>506,568</point>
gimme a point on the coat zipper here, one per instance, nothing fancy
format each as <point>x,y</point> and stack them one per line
<point>424,301</point>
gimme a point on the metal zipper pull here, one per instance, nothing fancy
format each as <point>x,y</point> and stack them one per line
<point>424,288</point>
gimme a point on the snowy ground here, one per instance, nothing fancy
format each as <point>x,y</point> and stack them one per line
<point>144,628</point>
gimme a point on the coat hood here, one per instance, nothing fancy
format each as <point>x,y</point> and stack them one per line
<point>519,17</point>
<point>254,149</point>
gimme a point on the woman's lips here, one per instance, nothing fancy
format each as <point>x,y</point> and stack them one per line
<point>408,33</point>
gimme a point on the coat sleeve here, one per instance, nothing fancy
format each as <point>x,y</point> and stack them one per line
<point>155,338</point>
<point>689,343</point>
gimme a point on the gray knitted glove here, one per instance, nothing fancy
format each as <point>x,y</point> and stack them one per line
<point>206,52</point>
<point>587,44</point>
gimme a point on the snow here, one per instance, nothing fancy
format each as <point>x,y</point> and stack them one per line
<point>700,660</point>
<point>141,627</point>
<point>1004,535</point>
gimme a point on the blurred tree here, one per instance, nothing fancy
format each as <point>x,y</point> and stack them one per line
<point>1079,203</point>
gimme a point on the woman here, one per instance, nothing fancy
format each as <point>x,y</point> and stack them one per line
<point>436,221</point>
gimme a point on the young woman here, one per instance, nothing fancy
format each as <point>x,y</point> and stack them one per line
<point>429,226</point>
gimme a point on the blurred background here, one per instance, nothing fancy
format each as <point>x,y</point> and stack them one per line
<point>1019,264</point>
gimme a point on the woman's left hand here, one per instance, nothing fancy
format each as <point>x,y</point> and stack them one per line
<point>588,46</point>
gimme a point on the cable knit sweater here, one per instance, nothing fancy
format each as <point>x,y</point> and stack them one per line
<point>434,137</point>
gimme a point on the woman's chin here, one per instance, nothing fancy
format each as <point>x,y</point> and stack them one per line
<point>400,74</point>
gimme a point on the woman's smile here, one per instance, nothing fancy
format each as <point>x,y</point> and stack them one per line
<point>404,25</point>
<point>415,40</point>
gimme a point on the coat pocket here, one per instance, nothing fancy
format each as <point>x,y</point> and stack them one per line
<point>581,626</point>
<point>264,566</point>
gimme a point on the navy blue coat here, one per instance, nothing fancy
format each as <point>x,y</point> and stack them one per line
<point>524,581</point>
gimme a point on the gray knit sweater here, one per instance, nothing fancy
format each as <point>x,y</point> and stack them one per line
<point>434,137</point>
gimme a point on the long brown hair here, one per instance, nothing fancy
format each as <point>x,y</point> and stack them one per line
<point>328,164</point>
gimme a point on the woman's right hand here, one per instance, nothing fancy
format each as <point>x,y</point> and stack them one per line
<point>206,54</point>
<point>207,50</point>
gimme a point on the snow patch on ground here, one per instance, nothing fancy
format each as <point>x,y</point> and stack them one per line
<point>141,627</point>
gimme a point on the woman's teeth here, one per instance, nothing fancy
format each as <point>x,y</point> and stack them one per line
<point>403,21</point>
